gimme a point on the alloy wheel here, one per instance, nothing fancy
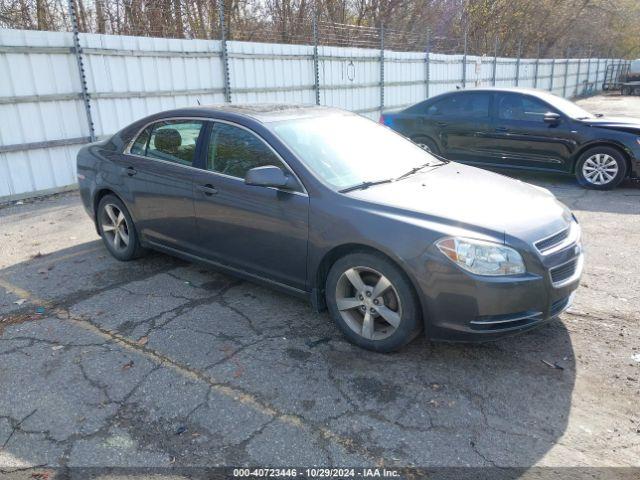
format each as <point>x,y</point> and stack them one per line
<point>368,303</point>
<point>600,169</point>
<point>114,227</point>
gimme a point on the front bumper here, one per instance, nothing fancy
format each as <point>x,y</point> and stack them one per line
<point>460,306</point>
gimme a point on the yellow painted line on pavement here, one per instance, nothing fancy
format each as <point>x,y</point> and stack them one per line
<point>244,398</point>
<point>16,290</point>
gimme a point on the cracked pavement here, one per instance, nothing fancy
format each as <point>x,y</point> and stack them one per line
<point>158,363</point>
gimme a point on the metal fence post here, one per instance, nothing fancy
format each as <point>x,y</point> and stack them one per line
<point>518,62</point>
<point>381,69</point>
<point>77,49</point>
<point>427,62</point>
<point>588,71</point>
<point>595,83</point>
<point>464,60</point>
<point>566,75</point>
<point>316,69</point>
<point>553,73</point>
<point>495,62</point>
<point>535,78</point>
<point>225,53</point>
<point>575,92</point>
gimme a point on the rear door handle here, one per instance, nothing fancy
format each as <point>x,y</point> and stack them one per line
<point>502,129</point>
<point>442,124</point>
<point>130,171</point>
<point>207,189</point>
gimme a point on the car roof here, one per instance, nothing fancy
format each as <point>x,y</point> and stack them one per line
<point>262,112</point>
<point>530,91</point>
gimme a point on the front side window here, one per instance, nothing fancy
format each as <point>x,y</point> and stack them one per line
<point>234,151</point>
<point>170,140</point>
<point>521,108</point>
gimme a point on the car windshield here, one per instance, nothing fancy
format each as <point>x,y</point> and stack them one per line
<point>347,150</point>
<point>567,107</point>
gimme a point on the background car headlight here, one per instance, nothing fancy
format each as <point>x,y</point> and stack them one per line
<point>482,258</point>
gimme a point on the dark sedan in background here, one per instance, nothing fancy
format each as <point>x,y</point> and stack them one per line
<point>330,206</point>
<point>524,129</point>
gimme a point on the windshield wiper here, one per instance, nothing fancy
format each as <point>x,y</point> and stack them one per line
<point>365,185</point>
<point>414,170</point>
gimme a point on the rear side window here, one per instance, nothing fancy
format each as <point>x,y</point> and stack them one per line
<point>467,105</point>
<point>139,147</point>
<point>171,140</point>
<point>234,151</point>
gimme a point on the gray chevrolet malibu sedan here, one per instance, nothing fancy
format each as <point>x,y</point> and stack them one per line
<point>333,207</point>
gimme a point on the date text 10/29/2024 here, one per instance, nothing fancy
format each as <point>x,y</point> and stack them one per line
<point>315,473</point>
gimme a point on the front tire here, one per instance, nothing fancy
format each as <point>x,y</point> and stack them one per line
<point>601,168</point>
<point>373,302</point>
<point>117,230</point>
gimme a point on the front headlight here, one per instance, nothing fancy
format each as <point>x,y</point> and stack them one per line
<point>482,258</point>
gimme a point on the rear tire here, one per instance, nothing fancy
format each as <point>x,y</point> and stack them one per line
<point>117,229</point>
<point>373,302</point>
<point>601,168</point>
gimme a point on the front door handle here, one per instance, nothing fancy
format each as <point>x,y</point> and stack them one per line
<point>130,171</point>
<point>207,189</point>
<point>502,129</point>
<point>442,124</point>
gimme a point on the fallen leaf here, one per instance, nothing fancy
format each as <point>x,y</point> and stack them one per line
<point>20,302</point>
<point>127,365</point>
<point>143,340</point>
<point>57,347</point>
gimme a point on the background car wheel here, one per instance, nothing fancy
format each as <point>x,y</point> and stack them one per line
<point>601,168</point>
<point>372,302</point>
<point>426,144</point>
<point>117,229</point>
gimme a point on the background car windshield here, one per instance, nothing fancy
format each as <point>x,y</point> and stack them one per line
<point>346,150</point>
<point>567,107</point>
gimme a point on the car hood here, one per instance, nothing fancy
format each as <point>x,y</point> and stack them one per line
<point>470,198</point>
<point>627,124</point>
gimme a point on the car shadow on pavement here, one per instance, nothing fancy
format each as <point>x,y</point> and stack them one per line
<point>623,199</point>
<point>160,363</point>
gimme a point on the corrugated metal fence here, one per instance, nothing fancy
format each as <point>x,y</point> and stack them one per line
<point>43,121</point>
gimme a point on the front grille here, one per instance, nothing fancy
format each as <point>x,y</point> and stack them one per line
<point>564,271</point>
<point>553,241</point>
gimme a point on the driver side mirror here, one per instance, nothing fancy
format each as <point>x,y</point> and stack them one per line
<point>551,118</point>
<point>270,176</point>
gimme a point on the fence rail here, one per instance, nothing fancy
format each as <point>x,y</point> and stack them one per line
<point>64,88</point>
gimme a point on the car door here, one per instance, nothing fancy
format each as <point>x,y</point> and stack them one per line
<point>260,230</point>
<point>462,122</point>
<point>158,173</point>
<point>523,139</point>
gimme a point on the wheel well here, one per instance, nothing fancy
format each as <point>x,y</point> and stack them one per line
<point>99,196</point>
<point>96,201</point>
<point>340,251</point>
<point>621,150</point>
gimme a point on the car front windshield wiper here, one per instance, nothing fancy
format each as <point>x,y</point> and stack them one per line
<point>414,170</point>
<point>365,185</point>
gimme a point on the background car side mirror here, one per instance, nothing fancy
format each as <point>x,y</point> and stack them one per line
<point>270,176</point>
<point>552,118</point>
